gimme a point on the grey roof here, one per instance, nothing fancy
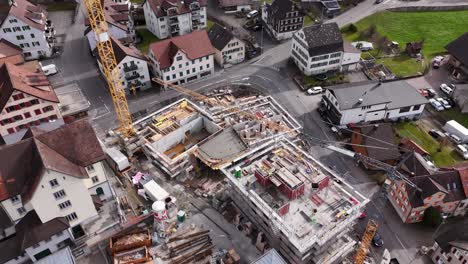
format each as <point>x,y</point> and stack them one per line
<point>375,136</point>
<point>457,48</point>
<point>270,257</point>
<point>453,232</point>
<point>63,256</point>
<point>323,38</point>
<point>397,94</point>
<point>219,36</point>
<point>279,8</point>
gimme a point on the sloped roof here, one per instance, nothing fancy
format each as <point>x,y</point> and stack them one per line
<point>219,36</point>
<point>396,93</point>
<point>413,146</point>
<point>8,49</point>
<point>114,13</point>
<point>457,48</point>
<point>323,38</point>
<point>121,51</point>
<point>279,8</point>
<point>374,138</point>
<point>67,149</point>
<point>415,165</point>
<point>159,7</point>
<point>194,45</point>
<point>28,13</point>
<point>13,77</point>
<point>455,231</point>
<point>30,231</point>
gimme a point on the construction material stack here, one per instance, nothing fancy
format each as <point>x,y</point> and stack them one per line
<point>132,247</point>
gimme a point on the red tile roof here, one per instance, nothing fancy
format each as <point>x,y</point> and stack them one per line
<point>30,14</point>
<point>411,145</point>
<point>116,14</point>
<point>195,45</point>
<point>464,179</point>
<point>13,77</point>
<point>121,51</point>
<point>8,49</point>
<point>160,7</point>
<point>68,149</point>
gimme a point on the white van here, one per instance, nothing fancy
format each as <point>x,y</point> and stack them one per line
<point>252,14</point>
<point>49,69</point>
<point>463,151</point>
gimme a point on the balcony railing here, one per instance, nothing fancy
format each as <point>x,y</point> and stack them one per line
<point>175,29</point>
<point>173,21</point>
<point>130,68</point>
<point>130,77</point>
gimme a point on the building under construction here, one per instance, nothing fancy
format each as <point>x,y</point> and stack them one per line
<point>295,202</point>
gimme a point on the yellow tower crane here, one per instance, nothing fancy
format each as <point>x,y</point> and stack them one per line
<point>109,65</point>
<point>366,240</point>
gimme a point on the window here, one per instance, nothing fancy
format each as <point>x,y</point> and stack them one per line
<point>5,30</point>
<point>54,183</point>
<point>18,96</point>
<point>13,21</point>
<point>207,66</point>
<point>173,76</point>
<point>416,107</point>
<point>334,61</point>
<point>14,199</point>
<point>26,28</point>
<point>179,58</point>
<point>27,115</point>
<point>37,111</point>
<point>27,54</point>
<point>405,109</point>
<point>21,210</point>
<point>47,108</point>
<point>71,217</point>
<point>20,37</point>
<point>167,78</point>
<point>64,205</point>
<point>187,63</point>
<point>449,259</point>
<point>181,74</point>
<point>59,194</point>
<point>95,179</point>
<point>90,168</point>
<point>35,102</point>
<point>180,66</point>
<point>188,71</point>
<point>201,68</point>
<point>32,36</point>
<point>10,130</point>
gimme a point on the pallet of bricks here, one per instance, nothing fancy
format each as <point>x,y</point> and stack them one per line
<point>191,245</point>
<point>131,248</point>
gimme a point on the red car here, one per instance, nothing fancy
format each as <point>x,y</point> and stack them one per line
<point>363,215</point>
<point>423,92</point>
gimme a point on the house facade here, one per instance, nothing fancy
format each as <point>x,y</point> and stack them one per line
<point>177,61</point>
<point>458,59</point>
<point>133,66</point>
<point>457,253</point>
<point>119,21</point>
<point>167,19</point>
<point>55,178</point>
<point>27,26</point>
<point>320,49</point>
<point>367,101</point>
<point>27,99</point>
<point>282,18</point>
<point>228,48</point>
<point>442,190</point>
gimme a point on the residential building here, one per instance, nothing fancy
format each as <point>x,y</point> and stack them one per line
<point>451,243</point>
<point>178,61</point>
<point>458,57</point>
<point>228,48</point>
<point>11,53</point>
<point>35,240</point>
<point>133,67</point>
<point>27,26</point>
<point>440,189</point>
<point>233,6</point>
<point>369,101</point>
<point>281,184</point>
<point>119,21</point>
<point>377,142</point>
<point>282,18</point>
<point>170,18</point>
<point>55,174</point>
<point>27,99</point>
<point>320,49</point>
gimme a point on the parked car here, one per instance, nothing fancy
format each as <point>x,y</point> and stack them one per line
<point>444,103</point>
<point>363,45</point>
<point>423,92</point>
<point>50,69</point>
<point>362,215</point>
<point>446,89</point>
<point>314,90</point>
<point>431,92</point>
<point>437,61</point>
<point>452,86</point>
<point>436,64</point>
<point>436,133</point>
<point>436,104</point>
<point>455,139</point>
<point>462,149</point>
<point>252,14</point>
<point>377,240</point>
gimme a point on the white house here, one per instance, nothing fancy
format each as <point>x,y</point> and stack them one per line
<point>54,173</point>
<point>26,26</point>
<point>27,99</point>
<point>368,101</point>
<point>165,18</point>
<point>228,48</point>
<point>119,21</point>
<point>318,49</point>
<point>178,60</point>
<point>133,67</point>
<point>282,18</point>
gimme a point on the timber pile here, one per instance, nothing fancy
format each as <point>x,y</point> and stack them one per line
<point>189,246</point>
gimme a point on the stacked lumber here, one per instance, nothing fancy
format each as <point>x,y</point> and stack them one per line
<point>131,240</point>
<point>189,246</point>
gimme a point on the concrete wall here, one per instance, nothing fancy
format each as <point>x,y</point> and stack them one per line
<point>46,206</point>
<point>51,245</point>
<point>31,35</point>
<point>24,111</point>
<point>178,136</point>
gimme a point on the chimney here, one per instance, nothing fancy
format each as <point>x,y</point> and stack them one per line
<point>360,100</point>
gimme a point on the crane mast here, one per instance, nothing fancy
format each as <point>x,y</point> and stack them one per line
<point>109,65</point>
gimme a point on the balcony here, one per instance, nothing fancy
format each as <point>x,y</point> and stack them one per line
<point>196,22</point>
<point>132,67</point>
<point>195,14</point>
<point>175,29</point>
<point>173,21</point>
<point>133,76</point>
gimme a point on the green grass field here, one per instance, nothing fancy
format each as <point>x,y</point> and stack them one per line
<point>441,155</point>
<point>146,39</point>
<point>403,65</point>
<point>455,114</point>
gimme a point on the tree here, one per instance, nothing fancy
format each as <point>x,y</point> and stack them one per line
<point>432,216</point>
<point>352,28</point>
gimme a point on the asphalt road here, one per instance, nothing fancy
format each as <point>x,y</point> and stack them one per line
<point>269,74</point>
